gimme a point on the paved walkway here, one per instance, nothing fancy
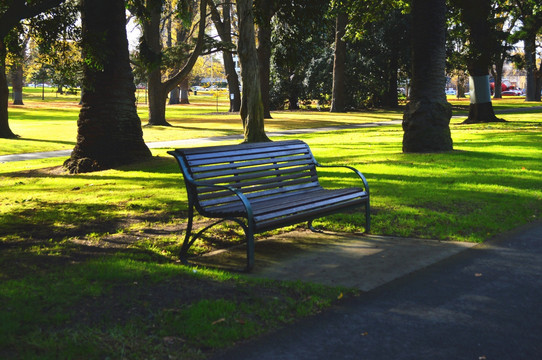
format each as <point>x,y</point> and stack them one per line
<point>482,303</point>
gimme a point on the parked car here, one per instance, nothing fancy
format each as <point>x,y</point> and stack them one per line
<point>512,93</point>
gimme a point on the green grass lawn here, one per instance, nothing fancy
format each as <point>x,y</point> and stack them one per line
<point>88,262</point>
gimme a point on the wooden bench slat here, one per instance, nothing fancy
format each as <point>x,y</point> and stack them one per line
<point>207,159</point>
<point>273,176</point>
<point>324,198</point>
<point>266,182</point>
<point>288,188</point>
<point>201,172</point>
<point>232,150</point>
<point>306,215</point>
<point>319,196</point>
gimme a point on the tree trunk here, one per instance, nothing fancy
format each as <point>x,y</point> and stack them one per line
<point>5,131</point>
<point>338,95</point>
<point>538,82</point>
<point>157,93</point>
<point>174,96</point>
<point>264,53</point>
<point>530,65</point>
<point>461,84</point>
<point>480,109</point>
<point>223,28</point>
<point>109,130</point>
<point>475,13</point>
<point>497,75</point>
<point>293,98</point>
<point>391,97</point>
<point>251,103</point>
<point>17,84</point>
<point>233,81</point>
<point>184,91</point>
<point>426,120</point>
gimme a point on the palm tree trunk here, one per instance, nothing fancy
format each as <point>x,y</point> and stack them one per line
<point>109,130</point>
<point>475,13</point>
<point>426,120</point>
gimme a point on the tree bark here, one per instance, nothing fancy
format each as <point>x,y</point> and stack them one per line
<point>5,131</point>
<point>497,75</point>
<point>233,82</point>
<point>475,13</point>
<point>174,96</point>
<point>338,94</point>
<point>224,31</point>
<point>157,92</point>
<point>391,98</point>
<point>530,64</point>
<point>109,130</point>
<point>538,83</point>
<point>426,120</point>
<point>252,114</point>
<point>184,91</point>
<point>264,53</point>
<point>461,84</point>
<point>17,84</point>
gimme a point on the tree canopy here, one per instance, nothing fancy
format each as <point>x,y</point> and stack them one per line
<point>347,54</point>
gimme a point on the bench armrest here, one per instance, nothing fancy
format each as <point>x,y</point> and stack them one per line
<point>360,175</point>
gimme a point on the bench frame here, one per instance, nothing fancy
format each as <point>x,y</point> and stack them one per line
<point>243,213</point>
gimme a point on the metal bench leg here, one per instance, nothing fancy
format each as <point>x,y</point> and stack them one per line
<point>249,232</point>
<point>367,218</point>
<point>312,228</point>
<point>186,242</point>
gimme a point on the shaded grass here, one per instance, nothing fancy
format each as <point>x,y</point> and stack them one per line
<point>118,307</point>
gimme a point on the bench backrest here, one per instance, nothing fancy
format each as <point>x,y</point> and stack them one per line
<point>256,169</point>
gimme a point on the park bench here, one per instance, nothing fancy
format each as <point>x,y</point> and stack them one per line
<point>260,186</point>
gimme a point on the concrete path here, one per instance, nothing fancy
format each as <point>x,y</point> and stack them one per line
<point>483,303</point>
<point>357,261</point>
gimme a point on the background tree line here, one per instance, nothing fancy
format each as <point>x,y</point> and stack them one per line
<point>343,53</point>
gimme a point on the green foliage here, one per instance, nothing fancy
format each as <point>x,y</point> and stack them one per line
<point>368,67</point>
<point>365,12</point>
<point>301,33</point>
